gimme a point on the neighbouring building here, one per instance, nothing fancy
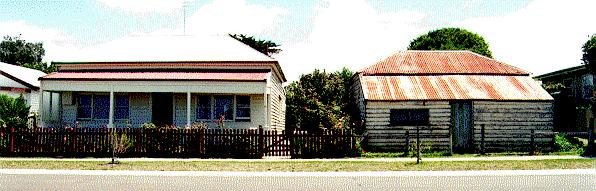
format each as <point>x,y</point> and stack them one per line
<point>166,80</point>
<point>451,95</point>
<point>17,80</point>
<point>572,89</point>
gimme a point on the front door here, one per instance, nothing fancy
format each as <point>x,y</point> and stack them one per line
<point>461,126</point>
<point>162,107</point>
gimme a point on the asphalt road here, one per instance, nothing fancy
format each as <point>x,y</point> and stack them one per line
<point>321,181</point>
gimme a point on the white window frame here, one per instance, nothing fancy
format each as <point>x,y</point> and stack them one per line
<point>92,117</point>
<point>212,108</point>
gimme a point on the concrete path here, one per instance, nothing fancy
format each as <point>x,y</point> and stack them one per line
<point>504,158</point>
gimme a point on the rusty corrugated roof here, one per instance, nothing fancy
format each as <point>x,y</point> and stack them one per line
<point>416,62</point>
<point>452,87</point>
<point>162,76</point>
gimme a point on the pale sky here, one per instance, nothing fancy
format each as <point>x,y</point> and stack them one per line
<point>539,36</point>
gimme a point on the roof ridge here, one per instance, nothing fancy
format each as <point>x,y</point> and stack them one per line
<point>529,73</point>
<point>427,61</point>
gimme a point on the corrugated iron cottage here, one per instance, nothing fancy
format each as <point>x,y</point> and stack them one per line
<point>450,94</point>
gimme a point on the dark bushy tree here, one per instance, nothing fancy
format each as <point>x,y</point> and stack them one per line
<point>14,50</point>
<point>266,47</point>
<point>319,100</point>
<point>451,39</point>
<point>589,54</point>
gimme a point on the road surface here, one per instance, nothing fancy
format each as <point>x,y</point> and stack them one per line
<point>151,180</point>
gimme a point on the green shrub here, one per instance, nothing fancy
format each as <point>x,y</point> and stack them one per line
<point>13,111</point>
<point>122,143</point>
<point>567,144</point>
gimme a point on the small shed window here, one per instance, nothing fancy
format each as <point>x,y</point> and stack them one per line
<point>402,117</point>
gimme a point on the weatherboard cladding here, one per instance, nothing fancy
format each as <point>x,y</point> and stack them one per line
<point>447,75</point>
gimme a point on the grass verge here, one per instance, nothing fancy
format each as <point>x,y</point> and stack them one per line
<point>304,166</point>
<point>455,155</point>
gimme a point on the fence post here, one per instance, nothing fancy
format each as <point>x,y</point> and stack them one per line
<point>407,150</point>
<point>532,142</point>
<point>261,141</point>
<point>73,147</point>
<point>590,149</point>
<point>450,140</point>
<point>11,140</point>
<point>482,136</point>
<point>290,138</point>
<point>202,143</point>
<point>138,142</point>
<point>417,144</point>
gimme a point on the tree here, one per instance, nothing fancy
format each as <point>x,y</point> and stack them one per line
<point>41,66</point>
<point>264,46</point>
<point>451,39</point>
<point>589,54</point>
<point>16,51</point>
<point>13,111</point>
<point>319,100</point>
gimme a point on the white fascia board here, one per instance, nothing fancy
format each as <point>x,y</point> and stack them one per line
<point>157,86</point>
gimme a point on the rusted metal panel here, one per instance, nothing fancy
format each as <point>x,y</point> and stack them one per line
<point>453,87</point>
<point>440,62</point>
<point>245,76</point>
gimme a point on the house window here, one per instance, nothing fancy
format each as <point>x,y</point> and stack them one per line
<point>84,110</point>
<point>403,117</point>
<point>224,106</point>
<point>98,107</point>
<point>242,108</point>
<point>231,107</point>
<point>121,107</point>
<point>101,106</point>
<point>204,107</point>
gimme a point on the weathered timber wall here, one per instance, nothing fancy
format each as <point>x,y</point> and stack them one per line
<point>358,95</point>
<point>508,125</point>
<point>384,137</point>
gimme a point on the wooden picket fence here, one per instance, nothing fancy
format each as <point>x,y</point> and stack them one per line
<point>180,143</point>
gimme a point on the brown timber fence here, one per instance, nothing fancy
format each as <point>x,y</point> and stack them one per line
<point>183,143</point>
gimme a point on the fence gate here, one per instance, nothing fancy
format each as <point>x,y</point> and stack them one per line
<point>276,144</point>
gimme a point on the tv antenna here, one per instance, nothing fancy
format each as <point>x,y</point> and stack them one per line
<point>184,4</point>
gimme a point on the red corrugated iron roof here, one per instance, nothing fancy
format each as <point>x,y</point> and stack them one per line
<point>440,62</point>
<point>162,76</point>
<point>452,87</point>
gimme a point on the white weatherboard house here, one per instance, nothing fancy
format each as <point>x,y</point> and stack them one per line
<point>166,80</point>
<point>16,81</point>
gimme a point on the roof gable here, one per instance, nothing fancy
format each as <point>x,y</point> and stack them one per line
<point>167,49</point>
<point>26,76</point>
<point>420,62</point>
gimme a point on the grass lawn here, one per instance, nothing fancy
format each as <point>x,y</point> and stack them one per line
<point>311,166</point>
